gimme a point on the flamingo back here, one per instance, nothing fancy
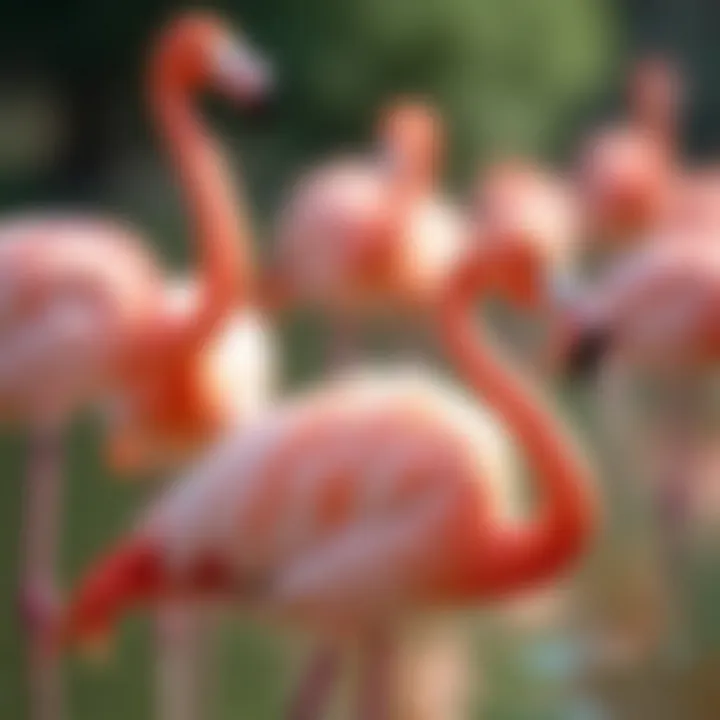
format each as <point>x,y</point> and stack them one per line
<point>660,304</point>
<point>333,244</point>
<point>343,461</point>
<point>327,234</point>
<point>71,290</point>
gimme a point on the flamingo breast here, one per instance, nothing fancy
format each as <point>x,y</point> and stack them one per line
<point>242,366</point>
<point>434,242</point>
<point>329,236</point>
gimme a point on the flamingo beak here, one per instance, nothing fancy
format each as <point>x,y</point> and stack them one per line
<point>577,351</point>
<point>243,74</point>
<point>130,575</point>
<point>93,644</point>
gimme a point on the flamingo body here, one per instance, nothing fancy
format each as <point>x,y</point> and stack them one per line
<point>658,308</point>
<point>85,313</point>
<point>366,495</point>
<point>694,213</point>
<point>532,214</point>
<point>73,289</point>
<point>363,499</point>
<point>333,245</point>
<point>77,293</point>
<point>627,170</point>
<point>303,497</point>
<point>362,503</point>
<point>625,177</point>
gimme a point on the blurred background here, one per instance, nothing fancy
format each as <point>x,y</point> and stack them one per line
<point>526,76</point>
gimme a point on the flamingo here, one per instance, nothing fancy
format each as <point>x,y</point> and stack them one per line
<point>626,189</point>
<point>531,210</point>
<point>657,309</point>
<point>692,215</point>
<point>235,375</point>
<point>86,313</point>
<point>656,312</point>
<point>362,504</point>
<point>627,170</point>
<point>655,315</point>
<point>361,234</point>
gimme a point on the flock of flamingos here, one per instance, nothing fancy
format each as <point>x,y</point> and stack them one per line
<point>382,494</point>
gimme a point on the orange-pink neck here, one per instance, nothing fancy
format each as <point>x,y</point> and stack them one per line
<point>513,558</point>
<point>219,224</point>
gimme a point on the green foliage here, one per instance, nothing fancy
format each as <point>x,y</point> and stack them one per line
<point>509,74</point>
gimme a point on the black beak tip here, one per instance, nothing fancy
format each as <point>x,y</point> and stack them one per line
<point>264,111</point>
<point>586,354</point>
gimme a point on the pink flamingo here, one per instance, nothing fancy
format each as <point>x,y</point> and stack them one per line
<point>693,214</point>
<point>656,309</point>
<point>533,212</point>
<point>362,504</point>
<point>86,312</point>
<point>656,314</point>
<point>362,234</point>
<point>627,170</point>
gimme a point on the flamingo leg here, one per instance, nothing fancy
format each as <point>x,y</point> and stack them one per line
<point>678,474</point>
<point>665,464</point>
<point>617,417</point>
<point>377,681</point>
<point>344,580</point>
<point>38,590</point>
<point>312,696</point>
<point>181,662</point>
<point>433,677</point>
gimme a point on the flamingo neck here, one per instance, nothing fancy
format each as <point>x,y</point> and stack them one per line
<point>219,224</point>
<point>133,575</point>
<point>408,187</point>
<point>543,546</point>
<point>658,118</point>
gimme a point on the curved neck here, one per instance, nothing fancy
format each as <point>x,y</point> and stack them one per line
<point>219,224</point>
<point>408,183</point>
<point>560,527</point>
<point>658,117</point>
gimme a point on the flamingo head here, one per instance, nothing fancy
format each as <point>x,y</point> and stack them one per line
<point>129,575</point>
<point>625,179</point>
<point>134,574</point>
<point>655,94</point>
<point>626,172</point>
<point>410,134</point>
<point>529,219</point>
<point>199,50</point>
